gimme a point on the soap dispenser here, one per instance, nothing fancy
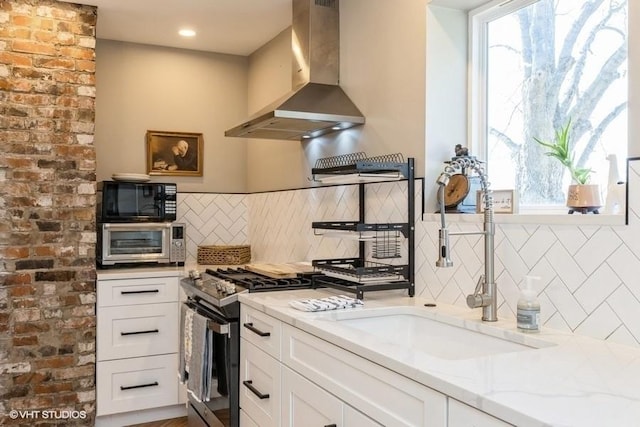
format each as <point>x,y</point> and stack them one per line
<point>529,307</point>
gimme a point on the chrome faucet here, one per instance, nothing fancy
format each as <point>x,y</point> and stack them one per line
<point>485,294</point>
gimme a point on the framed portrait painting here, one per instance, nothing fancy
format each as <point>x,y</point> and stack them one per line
<point>174,153</point>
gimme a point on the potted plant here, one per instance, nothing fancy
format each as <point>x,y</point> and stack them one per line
<point>581,196</point>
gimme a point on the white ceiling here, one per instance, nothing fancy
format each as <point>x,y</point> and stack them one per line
<point>226,26</point>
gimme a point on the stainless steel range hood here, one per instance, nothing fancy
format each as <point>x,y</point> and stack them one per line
<point>317,105</point>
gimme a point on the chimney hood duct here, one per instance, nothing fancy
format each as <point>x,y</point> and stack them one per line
<point>317,105</point>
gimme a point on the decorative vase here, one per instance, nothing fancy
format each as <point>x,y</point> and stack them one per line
<point>584,198</point>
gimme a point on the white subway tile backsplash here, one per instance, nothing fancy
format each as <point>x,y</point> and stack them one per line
<point>572,313</point>
<point>537,245</point>
<point>565,266</point>
<point>601,323</point>
<point>626,266</point>
<point>588,273</point>
<point>622,336</point>
<point>570,237</point>
<point>597,288</point>
<point>627,308</point>
<point>597,249</point>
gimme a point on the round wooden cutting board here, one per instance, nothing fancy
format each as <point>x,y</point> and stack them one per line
<point>456,190</point>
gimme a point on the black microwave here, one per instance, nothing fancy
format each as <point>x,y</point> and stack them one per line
<point>126,201</point>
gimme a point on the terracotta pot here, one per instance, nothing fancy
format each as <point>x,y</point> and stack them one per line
<point>584,196</point>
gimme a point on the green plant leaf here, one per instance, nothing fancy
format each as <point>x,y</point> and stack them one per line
<point>560,148</point>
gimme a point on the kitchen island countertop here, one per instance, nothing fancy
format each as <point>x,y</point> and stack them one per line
<point>570,381</point>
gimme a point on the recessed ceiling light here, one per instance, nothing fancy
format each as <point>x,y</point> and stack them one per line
<point>185,32</point>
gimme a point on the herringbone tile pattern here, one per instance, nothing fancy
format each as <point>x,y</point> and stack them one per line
<point>213,219</point>
<point>589,274</point>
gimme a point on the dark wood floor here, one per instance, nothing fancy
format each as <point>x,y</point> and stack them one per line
<point>174,422</point>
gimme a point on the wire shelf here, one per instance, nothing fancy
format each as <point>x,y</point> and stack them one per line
<point>340,161</point>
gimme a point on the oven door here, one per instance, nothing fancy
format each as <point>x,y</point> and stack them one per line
<point>223,407</point>
<point>134,243</point>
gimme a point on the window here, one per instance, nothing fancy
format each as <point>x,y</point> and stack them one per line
<point>537,66</point>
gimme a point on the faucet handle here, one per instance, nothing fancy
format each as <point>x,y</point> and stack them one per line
<point>479,285</point>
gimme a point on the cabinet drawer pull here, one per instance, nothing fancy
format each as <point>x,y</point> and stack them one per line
<point>255,330</point>
<point>150,331</point>
<point>148,291</point>
<point>130,387</point>
<point>331,425</point>
<point>249,384</point>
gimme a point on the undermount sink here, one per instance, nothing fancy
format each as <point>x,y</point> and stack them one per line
<point>404,327</point>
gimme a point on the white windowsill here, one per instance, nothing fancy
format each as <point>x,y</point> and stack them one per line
<point>542,219</point>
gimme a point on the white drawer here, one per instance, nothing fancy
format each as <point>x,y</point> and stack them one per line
<point>142,330</point>
<point>136,384</point>
<point>245,420</point>
<point>259,375</point>
<point>261,329</point>
<point>387,397</point>
<point>137,291</point>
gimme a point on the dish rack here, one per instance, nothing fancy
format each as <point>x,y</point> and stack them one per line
<point>358,274</point>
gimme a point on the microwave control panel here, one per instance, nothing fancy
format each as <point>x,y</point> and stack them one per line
<point>170,201</point>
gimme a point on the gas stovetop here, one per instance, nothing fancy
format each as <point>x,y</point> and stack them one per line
<point>256,282</point>
<point>220,287</point>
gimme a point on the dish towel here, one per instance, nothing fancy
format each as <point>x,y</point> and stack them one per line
<point>328,303</point>
<point>186,328</point>
<point>196,352</point>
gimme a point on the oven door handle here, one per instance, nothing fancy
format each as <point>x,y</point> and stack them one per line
<point>249,384</point>
<point>218,328</point>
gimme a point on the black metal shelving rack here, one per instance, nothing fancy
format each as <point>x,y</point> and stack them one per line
<point>368,275</point>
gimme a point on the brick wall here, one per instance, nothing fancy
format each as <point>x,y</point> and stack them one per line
<point>47,213</point>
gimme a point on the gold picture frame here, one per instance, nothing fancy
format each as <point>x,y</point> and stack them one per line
<point>504,201</point>
<point>174,153</point>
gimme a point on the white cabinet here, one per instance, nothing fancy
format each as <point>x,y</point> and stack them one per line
<point>461,415</point>
<point>259,385</point>
<point>385,396</point>
<point>306,404</point>
<point>312,382</point>
<point>137,343</point>
<point>245,420</point>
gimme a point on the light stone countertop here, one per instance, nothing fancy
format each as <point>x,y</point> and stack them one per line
<point>139,272</point>
<point>571,381</point>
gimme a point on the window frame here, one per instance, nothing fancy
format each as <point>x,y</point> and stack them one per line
<point>477,105</point>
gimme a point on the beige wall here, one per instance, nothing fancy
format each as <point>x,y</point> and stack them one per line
<point>382,70</point>
<point>142,88</point>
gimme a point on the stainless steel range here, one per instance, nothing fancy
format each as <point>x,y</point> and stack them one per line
<point>214,295</point>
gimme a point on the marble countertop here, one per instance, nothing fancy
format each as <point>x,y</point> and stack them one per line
<point>571,380</point>
<point>157,270</point>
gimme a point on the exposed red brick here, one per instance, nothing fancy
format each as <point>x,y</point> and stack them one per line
<point>83,65</point>
<point>54,362</point>
<point>18,279</point>
<point>20,341</point>
<point>31,327</point>
<point>44,251</point>
<point>32,378</point>
<point>53,387</point>
<point>28,46</point>
<point>13,253</point>
<point>21,291</point>
<point>48,101</point>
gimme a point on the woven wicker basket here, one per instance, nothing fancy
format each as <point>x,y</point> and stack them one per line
<point>231,255</point>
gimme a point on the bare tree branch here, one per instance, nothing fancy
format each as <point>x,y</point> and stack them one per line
<point>505,139</point>
<point>598,131</point>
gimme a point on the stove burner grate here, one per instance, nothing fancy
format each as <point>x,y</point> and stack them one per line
<point>256,282</point>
